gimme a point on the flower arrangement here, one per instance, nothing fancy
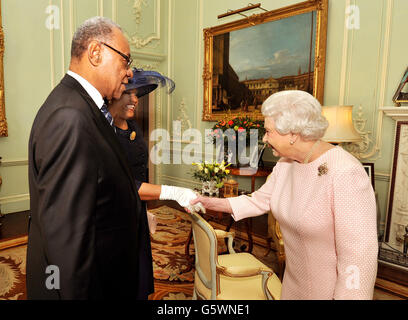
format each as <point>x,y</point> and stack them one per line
<point>238,124</point>
<point>211,172</point>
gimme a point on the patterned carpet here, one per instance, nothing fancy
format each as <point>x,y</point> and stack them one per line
<point>12,273</point>
<point>168,245</point>
<point>170,263</point>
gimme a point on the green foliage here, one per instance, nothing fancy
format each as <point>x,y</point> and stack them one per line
<point>211,171</point>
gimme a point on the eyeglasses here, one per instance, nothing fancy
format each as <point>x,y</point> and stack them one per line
<point>128,59</point>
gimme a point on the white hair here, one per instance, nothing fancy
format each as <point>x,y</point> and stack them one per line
<point>298,112</point>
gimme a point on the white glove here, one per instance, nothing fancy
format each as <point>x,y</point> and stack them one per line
<point>182,195</point>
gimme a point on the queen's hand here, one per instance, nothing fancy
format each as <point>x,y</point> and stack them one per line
<point>215,204</point>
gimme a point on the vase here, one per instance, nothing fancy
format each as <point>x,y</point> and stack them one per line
<point>210,188</point>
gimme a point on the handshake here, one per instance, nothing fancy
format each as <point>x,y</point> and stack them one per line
<point>183,196</point>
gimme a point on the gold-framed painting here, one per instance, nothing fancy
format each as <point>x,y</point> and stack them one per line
<point>401,95</point>
<point>247,60</point>
<point>3,121</point>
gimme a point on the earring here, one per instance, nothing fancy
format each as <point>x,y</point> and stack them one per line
<point>292,142</point>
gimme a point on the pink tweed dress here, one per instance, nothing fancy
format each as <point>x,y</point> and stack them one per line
<point>328,224</point>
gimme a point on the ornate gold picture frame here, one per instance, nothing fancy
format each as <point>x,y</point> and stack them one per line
<point>401,95</point>
<point>246,61</point>
<point>3,122</point>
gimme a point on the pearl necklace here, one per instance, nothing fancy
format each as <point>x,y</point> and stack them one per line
<point>309,154</point>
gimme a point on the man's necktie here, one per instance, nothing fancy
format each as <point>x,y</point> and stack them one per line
<point>107,114</point>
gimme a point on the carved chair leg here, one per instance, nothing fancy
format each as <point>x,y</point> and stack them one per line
<point>269,241</point>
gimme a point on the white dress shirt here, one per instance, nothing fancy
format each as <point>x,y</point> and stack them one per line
<point>89,88</point>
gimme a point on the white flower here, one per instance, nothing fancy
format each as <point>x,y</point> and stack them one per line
<point>200,167</point>
<point>206,170</point>
<point>216,170</point>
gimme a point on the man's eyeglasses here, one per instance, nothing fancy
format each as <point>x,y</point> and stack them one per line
<point>128,59</point>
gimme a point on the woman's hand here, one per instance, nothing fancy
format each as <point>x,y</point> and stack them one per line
<point>183,196</point>
<point>216,204</point>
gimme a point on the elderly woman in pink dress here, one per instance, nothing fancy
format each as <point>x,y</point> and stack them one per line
<point>323,200</point>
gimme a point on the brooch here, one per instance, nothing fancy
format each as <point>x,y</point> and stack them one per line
<point>322,169</point>
<point>132,135</point>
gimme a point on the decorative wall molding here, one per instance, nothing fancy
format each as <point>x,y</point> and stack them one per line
<point>71,18</point>
<point>359,148</point>
<point>14,163</point>
<point>15,203</point>
<point>370,147</point>
<point>183,117</point>
<point>52,60</point>
<point>62,38</point>
<point>146,66</point>
<point>199,92</point>
<point>114,10</point>
<point>100,8</point>
<point>187,182</point>
<point>135,40</point>
<point>15,198</point>
<point>159,116</point>
<point>382,176</point>
<point>344,60</point>
<point>151,56</point>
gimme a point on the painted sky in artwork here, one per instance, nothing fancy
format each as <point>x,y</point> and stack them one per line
<point>273,49</point>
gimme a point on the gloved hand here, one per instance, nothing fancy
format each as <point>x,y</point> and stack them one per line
<point>182,195</point>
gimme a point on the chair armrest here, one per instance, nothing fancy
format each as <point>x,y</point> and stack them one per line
<point>230,235</point>
<point>242,271</point>
<point>223,234</point>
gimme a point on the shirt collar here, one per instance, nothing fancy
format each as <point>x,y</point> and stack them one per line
<point>89,88</point>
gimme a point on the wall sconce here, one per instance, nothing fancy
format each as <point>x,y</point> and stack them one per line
<point>341,128</point>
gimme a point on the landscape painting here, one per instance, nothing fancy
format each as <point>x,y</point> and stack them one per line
<point>249,64</point>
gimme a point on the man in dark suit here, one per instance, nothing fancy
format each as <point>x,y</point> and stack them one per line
<point>85,209</point>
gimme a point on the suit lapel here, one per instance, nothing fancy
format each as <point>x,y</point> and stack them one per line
<point>103,126</point>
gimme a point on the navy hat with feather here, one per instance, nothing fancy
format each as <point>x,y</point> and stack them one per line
<point>147,81</point>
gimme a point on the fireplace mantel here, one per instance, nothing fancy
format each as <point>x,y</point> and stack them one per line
<point>397,213</point>
<point>397,113</point>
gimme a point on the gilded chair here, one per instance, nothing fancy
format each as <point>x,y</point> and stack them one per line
<point>275,235</point>
<point>232,276</point>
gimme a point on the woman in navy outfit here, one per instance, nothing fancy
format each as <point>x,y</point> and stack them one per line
<point>131,138</point>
